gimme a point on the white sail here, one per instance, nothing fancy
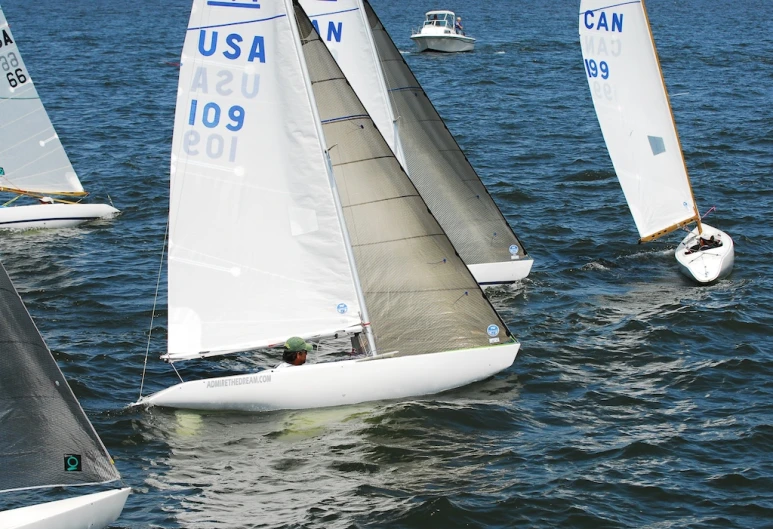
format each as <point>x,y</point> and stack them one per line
<point>343,26</point>
<point>633,109</point>
<point>32,158</point>
<point>256,248</point>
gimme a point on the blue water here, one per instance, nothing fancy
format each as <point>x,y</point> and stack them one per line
<point>638,400</point>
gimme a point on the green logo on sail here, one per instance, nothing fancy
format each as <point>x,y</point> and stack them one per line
<point>2,172</point>
<point>72,463</point>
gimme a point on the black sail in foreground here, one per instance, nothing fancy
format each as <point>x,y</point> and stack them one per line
<point>421,297</point>
<point>46,440</point>
<point>438,166</point>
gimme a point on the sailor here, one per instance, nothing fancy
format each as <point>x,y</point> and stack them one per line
<point>295,352</point>
<point>458,26</point>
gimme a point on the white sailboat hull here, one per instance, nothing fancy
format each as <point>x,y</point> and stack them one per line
<point>92,511</point>
<point>490,274</point>
<point>339,383</point>
<point>38,216</point>
<point>708,265</point>
<point>444,43</point>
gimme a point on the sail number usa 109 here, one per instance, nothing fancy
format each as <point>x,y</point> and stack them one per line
<point>215,123</point>
<point>210,116</point>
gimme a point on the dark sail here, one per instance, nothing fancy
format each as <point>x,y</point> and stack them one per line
<point>45,437</point>
<point>438,166</point>
<point>421,297</point>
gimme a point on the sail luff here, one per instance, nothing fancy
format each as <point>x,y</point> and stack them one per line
<point>697,216</point>
<point>364,317</point>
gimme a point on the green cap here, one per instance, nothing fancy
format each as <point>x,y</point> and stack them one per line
<point>296,344</point>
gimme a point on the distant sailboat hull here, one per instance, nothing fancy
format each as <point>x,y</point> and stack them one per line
<point>339,383</point>
<point>52,215</point>
<point>490,274</point>
<point>709,265</point>
<point>94,511</point>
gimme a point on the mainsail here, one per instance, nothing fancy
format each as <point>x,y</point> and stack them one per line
<point>256,246</point>
<point>635,115</point>
<point>32,159</point>
<point>437,165</point>
<point>420,295</point>
<point>46,440</point>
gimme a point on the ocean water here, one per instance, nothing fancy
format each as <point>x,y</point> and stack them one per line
<point>638,399</point>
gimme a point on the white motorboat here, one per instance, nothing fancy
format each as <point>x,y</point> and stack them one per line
<point>33,162</point>
<point>46,440</point>
<point>441,32</point>
<point>421,141</point>
<point>634,111</point>
<point>314,230</point>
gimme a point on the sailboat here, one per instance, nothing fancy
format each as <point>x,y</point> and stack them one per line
<point>421,140</point>
<point>33,162</point>
<point>46,440</point>
<point>313,230</point>
<point>637,122</point>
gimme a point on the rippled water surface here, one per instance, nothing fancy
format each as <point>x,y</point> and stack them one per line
<point>638,400</point>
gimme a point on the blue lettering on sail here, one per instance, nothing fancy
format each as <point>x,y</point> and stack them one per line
<point>233,42</point>
<point>603,22</point>
<point>234,3</point>
<point>334,30</point>
<point>212,46</point>
<point>258,50</point>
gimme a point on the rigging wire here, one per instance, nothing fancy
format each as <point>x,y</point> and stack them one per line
<point>153,312</point>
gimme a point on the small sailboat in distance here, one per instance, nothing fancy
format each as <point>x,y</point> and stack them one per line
<point>632,105</point>
<point>33,162</point>
<point>46,440</point>
<point>315,230</point>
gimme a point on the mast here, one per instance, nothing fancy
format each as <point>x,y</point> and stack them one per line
<point>676,132</point>
<point>331,178</point>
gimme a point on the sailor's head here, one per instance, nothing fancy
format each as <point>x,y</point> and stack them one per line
<point>458,19</point>
<point>295,350</point>
<point>46,200</point>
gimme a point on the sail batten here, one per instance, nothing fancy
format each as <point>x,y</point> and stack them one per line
<point>635,115</point>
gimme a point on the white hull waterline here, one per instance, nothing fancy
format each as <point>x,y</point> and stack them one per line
<point>339,383</point>
<point>52,215</point>
<point>444,43</point>
<point>92,511</point>
<point>707,265</point>
<point>490,274</point>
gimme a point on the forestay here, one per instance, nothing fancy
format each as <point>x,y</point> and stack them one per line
<point>256,248</point>
<point>32,158</point>
<point>635,115</point>
<point>438,167</point>
<point>45,438</point>
<point>421,297</point>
